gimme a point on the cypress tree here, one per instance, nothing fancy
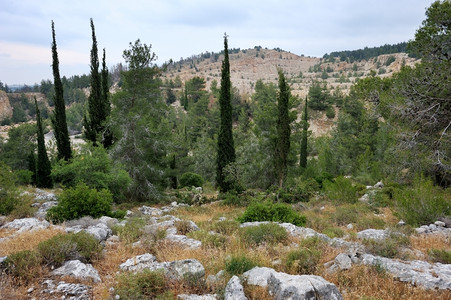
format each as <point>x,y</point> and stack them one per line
<point>59,122</point>
<point>305,125</point>
<point>107,139</point>
<point>92,122</point>
<point>43,167</point>
<point>283,129</point>
<point>226,148</point>
<point>32,166</point>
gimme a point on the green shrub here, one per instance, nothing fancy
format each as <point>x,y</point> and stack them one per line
<point>423,203</point>
<point>227,227</point>
<point>268,211</point>
<point>23,208</point>
<point>441,256</point>
<point>264,233</point>
<point>142,285</point>
<point>389,247</point>
<point>330,112</point>
<point>63,247</point>
<point>334,232</point>
<point>81,201</point>
<point>345,214</point>
<point>24,177</point>
<point>93,167</point>
<point>131,231</point>
<point>23,265</point>
<point>302,191</point>
<point>208,239</point>
<point>341,190</point>
<point>237,265</point>
<point>8,190</point>
<point>370,222</point>
<point>191,179</point>
<point>305,259</point>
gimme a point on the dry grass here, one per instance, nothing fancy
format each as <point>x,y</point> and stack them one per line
<point>430,241</point>
<point>26,240</point>
<point>209,212</point>
<point>366,282</point>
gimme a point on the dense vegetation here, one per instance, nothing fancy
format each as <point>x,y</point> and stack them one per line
<point>366,53</point>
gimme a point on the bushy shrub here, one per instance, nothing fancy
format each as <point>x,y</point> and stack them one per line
<point>93,167</point>
<point>389,247</point>
<point>302,191</point>
<point>330,112</point>
<point>238,264</point>
<point>183,227</point>
<point>131,231</point>
<point>341,190</point>
<point>24,265</point>
<point>8,190</point>
<point>440,255</point>
<point>142,285</point>
<point>63,247</point>
<point>81,201</point>
<point>24,177</point>
<point>305,259</point>
<point>423,203</point>
<point>227,227</point>
<point>264,233</point>
<point>208,239</point>
<point>268,211</point>
<point>191,179</point>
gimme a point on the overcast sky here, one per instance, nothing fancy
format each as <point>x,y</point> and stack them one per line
<point>181,28</point>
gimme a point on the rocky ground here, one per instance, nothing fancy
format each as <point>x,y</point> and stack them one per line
<point>182,257</point>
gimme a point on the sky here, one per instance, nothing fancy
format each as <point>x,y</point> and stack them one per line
<point>182,28</point>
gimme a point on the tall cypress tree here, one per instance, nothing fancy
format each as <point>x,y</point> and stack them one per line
<point>226,148</point>
<point>59,117</point>
<point>283,129</point>
<point>305,125</point>
<point>107,139</point>
<point>43,167</point>
<point>92,122</point>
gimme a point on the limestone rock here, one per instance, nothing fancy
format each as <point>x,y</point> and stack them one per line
<point>140,262</point>
<point>75,291</point>
<point>196,297</point>
<point>79,270</point>
<point>372,234</point>
<point>184,240</point>
<point>27,224</point>
<point>100,231</point>
<point>43,208</point>
<point>234,290</point>
<point>186,268</point>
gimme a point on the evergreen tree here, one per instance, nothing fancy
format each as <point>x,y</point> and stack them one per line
<point>59,117</point>
<point>32,166</point>
<point>107,139</point>
<point>43,167</point>
<point>226,149</point>
<point>305,125</point>
<point>92,122</point>
<point>283,130</point>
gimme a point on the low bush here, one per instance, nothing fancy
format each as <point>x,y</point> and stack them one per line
<point>389,247</point>
<point>81,201</point>
<point>142,285</point>
<point>227,227</point>
<point>8,190</point>
<point>238,264</point>
<point>341,190</point>
<point>267,211</point>
<point>24,177</point>
<point>334,232</point>
<point>191,179</point>
<point>132,230</point>
<point>23,265</point>
<point>423,203</point>
<point>208,239</point>
<point>264,233</point>
<point>302,191</point>
<point>440,255</point>
<point>63,247</point>
<point>305,259</point>
<point>183,227</point>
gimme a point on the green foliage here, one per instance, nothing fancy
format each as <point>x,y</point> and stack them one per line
<point>268,211</point>
<point>341,190</point>
<point>390,60</point>
<point>191,179</point>
<point>318,96</point>
<point>304,137</point>
<point>210,240</point>
<point>8,190</point>
<point>24,177</point>
<point>305,259</point>
<point>423,203</point>
<point>440,255</point>
<point>63,247</point>
<point>226,227</point>
<point>81,201</point>
<point>59,117</point>
<point>23,265</point>
<point>389,247</point>
<point>238,264</point>
<point>132,231</point>
<point>43,167</point>
<point>270,233</point>
<point>142,285</point>
<point>302,191</point>
<point>330,112</point>
<point>21,142</point>
<point>93,166</point>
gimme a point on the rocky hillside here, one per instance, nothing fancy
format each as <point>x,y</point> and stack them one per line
<point>248,66</point>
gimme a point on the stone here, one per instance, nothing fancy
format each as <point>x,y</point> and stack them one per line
<point>341,262</point>
<point>43,208</point>
<point>286,286</point>
<point>401,223</point>
<point>420,230</point>
<point>184,240</point>
<point>100,231</point>
<point>186,269</point>
<point>75,291</point>
<point>78,270</point>
<point>234,290</point>
<point>41,195</point>
<point>439,224</point>
<point>197,297</point>
<point>258,276</point>
<point>349,226</point>
<point>27,224</point>
<point>108,220</point>
<point>151,211</point>
<point>214,279</point>
<point>139,263</point>
<point>416,272</point>
<point>372,234</point>
<point>379,185</point>
<point>365,198</point>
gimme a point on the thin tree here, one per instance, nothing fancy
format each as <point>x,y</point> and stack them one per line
<point>59,122</point>
<point>226,148</point>
<point>107,139</point>
<point>283,130</point>
<point>305,125</point>
<point>43,167</point>
<point>92,121</point>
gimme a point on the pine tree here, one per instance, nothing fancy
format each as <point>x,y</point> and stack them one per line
<point>59,122</point>
<point>226,148</point>
<point>92,122</point>
<point>305,125</point>
<point>43,167</point>
<point>283,129</point>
